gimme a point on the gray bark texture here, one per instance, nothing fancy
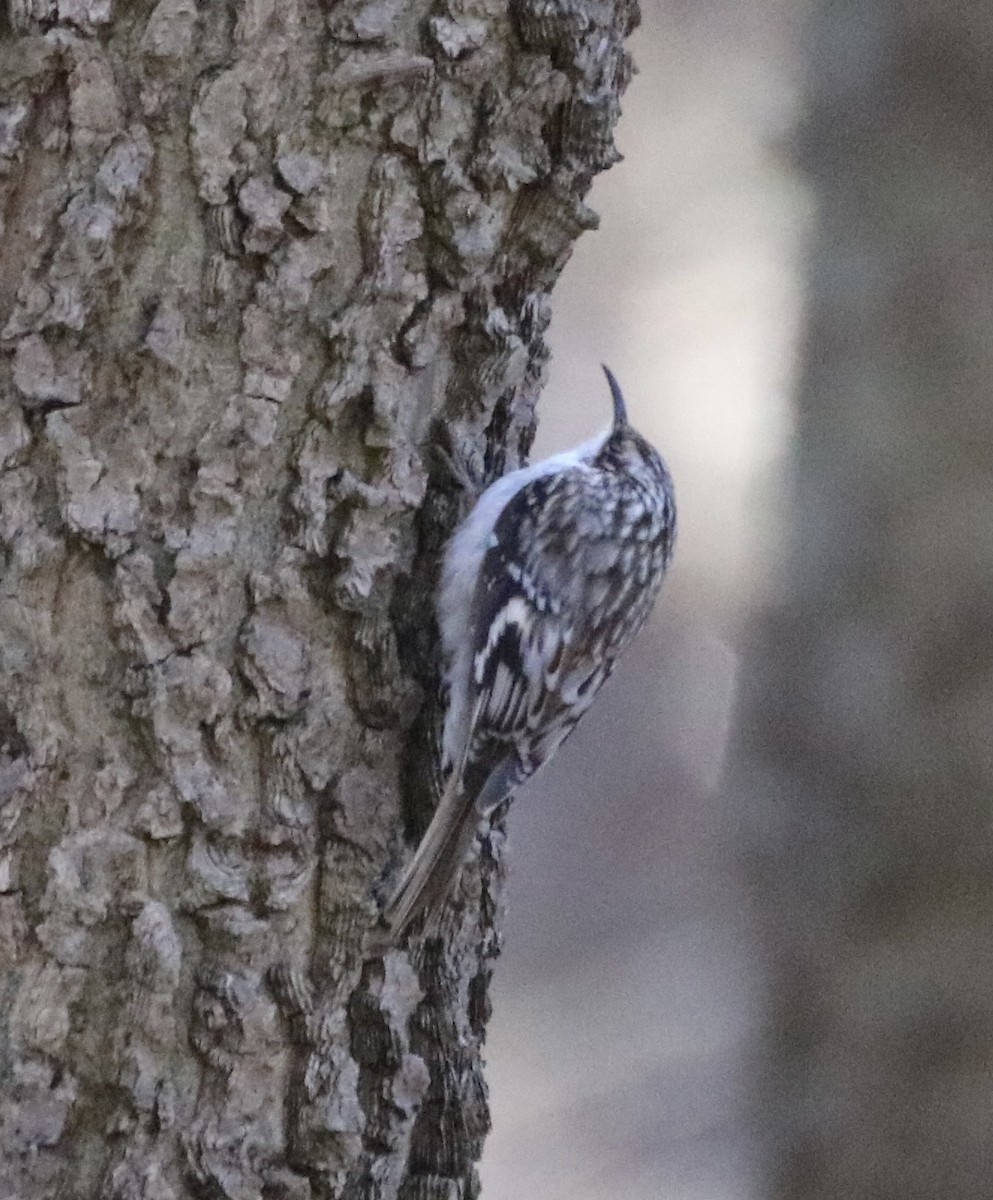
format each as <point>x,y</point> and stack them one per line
<point>253,254</point>
<point>872,699</point>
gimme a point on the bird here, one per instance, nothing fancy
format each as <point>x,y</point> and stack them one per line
<point>542,586</point>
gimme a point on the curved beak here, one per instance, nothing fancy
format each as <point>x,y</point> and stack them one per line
<point>620,409</point>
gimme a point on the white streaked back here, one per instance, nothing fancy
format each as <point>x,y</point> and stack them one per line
<point>460,569</point>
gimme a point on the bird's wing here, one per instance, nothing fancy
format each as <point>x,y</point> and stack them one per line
<point>545,606</point>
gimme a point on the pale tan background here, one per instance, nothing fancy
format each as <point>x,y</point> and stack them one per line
<point>628,997</point>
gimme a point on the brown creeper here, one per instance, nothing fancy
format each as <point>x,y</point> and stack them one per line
<point>543,585</point>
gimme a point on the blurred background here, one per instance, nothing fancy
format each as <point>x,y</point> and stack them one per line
<point>748,951</point>
<point>628,993</point>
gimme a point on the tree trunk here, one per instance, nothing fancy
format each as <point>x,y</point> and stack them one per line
<point>251,256</point>
<point>871,713</point>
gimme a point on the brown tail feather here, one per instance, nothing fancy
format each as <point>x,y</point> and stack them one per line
<point>429,877</point>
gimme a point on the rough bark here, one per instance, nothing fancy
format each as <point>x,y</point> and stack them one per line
<point>870,717</point>
<point>252,254</point>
